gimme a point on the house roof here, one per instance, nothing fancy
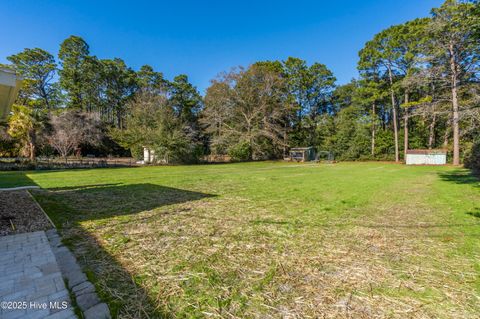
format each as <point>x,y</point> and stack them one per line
<point>10,84</point>
<point>427,152</point>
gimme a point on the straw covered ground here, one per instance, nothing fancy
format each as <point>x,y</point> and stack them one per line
<point>272,240</point>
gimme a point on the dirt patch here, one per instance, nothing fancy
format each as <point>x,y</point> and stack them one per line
<point>19,213</point>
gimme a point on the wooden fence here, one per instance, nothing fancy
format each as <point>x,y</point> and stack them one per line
<point>217,158</point>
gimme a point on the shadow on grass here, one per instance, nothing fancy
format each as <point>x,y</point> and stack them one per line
<point>475,212</point>
<point>466,178</point>
<point>100,201</point>
<point>14,179</point>
<point>70,206</point>
<point>460,177</point>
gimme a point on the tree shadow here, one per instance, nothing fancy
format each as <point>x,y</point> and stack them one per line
<point>462,177</point>
<point>110,200</point>
<point>475,212</point>
<point>14,179</point>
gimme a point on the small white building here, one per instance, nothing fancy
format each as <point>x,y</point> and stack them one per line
<point>149,156</point>
<point>426,157</point>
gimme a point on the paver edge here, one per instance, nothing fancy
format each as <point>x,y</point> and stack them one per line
<point>40,207</point>
<point>75,294</point>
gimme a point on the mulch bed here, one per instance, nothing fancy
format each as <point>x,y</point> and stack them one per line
<point>19,213</point>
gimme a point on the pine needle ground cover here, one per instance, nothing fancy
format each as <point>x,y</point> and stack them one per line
<point>272,240</point>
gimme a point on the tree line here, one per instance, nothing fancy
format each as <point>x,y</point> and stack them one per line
<point>418,88</point>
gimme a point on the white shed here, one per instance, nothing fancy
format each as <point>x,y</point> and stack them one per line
<point>149,156</point>
<point>426,157</point>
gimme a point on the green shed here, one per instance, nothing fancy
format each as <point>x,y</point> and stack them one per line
<point>302,154</point>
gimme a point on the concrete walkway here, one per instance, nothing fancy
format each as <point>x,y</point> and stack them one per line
<point>31,284</point>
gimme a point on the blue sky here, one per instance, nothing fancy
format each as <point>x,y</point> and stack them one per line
<point>203,38</point>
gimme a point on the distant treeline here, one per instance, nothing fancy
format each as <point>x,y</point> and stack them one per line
<point>418,88</point>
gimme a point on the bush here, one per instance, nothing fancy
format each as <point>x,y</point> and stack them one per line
<point>240,152</point>
<point>185,153</point>
<point>472,157</point>
<point>8,145</point>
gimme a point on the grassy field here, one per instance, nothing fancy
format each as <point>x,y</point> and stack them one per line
<point>270,240</point>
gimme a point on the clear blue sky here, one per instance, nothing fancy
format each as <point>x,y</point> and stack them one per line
<point>203,38</point>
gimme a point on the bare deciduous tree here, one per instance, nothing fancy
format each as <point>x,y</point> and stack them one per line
<point>73,128</point>
<point>247,107</point>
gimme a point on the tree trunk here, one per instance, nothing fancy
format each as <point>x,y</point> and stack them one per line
<point>405,127</point>
<point>250,139</point>
<point>431,135</point>
<point>394,110</point>
<point>455,128</point>
<point>445,137</point>
<point>31,146</point>
<point>45,98</point>
<point>32,136</point>
<point>119,119</point>
<point>373,129</point>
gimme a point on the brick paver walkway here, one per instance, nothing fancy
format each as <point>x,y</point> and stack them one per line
<point>31,284</point>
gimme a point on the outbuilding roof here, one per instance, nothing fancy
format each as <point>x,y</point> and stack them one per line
<point>300,148</point>
<point>427,152</point>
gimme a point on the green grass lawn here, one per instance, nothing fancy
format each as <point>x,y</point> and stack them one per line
<point>256,240</point>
